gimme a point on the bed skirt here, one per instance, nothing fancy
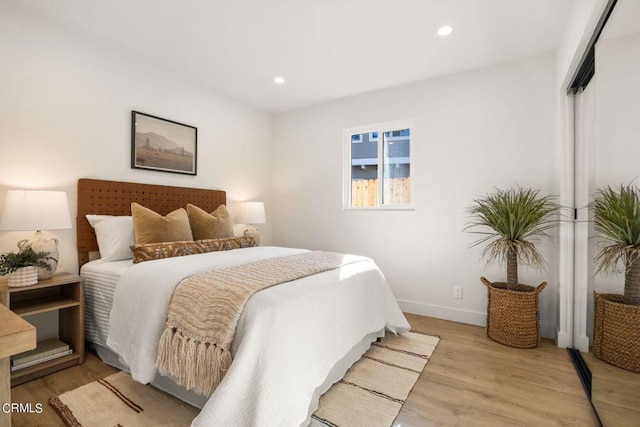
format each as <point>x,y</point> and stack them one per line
<point>167,385</point>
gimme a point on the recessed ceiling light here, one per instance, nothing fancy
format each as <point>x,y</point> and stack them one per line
<point>445,31</point>
<point>279,80</point>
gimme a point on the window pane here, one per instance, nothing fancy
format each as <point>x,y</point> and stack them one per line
<point>397,167</point>
<point>364,171</point>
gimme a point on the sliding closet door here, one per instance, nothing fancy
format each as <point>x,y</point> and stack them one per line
<point>585,120</point>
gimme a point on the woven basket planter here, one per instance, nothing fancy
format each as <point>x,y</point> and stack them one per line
<point>513,317</point>
<point>617,331</point>
<point>24,276</point>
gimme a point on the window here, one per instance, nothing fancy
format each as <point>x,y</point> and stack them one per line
<point>378,163</point>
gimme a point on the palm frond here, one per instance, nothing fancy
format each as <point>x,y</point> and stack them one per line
<point>510,219</point>
<point>617,220</point>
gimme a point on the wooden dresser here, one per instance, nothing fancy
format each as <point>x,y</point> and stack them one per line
<point>16,335</point>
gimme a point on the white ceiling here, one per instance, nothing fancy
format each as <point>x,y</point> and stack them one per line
<point>326,49</point>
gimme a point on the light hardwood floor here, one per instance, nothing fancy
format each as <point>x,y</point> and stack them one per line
<point>469,381</point>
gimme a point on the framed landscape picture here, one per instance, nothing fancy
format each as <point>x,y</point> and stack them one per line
<point>163,145</point>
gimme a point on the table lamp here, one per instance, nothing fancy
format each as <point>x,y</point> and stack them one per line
<point>250,213</point>
<point>27,210</point>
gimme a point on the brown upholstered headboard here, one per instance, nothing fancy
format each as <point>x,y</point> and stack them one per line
<point>100,197</point>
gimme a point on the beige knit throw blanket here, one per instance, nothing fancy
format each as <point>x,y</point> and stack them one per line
<point>195,346</point>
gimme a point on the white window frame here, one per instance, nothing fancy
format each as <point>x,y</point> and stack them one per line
<point>381,128</point>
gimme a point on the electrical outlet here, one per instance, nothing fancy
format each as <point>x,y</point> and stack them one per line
<point>457,292</point>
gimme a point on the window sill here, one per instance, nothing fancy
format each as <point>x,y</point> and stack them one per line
<point>382,208</point>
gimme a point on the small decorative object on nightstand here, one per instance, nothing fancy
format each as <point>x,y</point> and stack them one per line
<point>22,266</point>
<point>27,210</point>
<point>251,213</point>
<point>63,293</point>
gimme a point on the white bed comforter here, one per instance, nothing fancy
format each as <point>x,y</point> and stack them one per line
<point>288,339</point>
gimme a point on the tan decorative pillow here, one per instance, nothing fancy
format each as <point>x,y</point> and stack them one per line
<point>215,225</point>
<point>225,244</point>
<point>151,227</point>
<point>151,251</point>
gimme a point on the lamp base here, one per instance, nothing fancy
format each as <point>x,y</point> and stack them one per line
<point>40,243</point>
<point>252,231</point>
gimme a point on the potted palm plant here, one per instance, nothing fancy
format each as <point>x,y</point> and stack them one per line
<point>509,219</point>
<point>617,317</point>
<point>22,266</point>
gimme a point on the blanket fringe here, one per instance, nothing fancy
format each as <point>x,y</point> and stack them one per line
<point>196,365</point>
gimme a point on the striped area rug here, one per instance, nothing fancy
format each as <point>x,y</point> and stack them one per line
<point>119,401</point>
<point>370,394</point>
<point>374,389</point>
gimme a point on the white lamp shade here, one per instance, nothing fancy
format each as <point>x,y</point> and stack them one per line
<point>27,210</point>
<point>250,213</point>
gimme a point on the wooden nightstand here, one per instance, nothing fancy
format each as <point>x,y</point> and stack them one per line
<point>64,293</point>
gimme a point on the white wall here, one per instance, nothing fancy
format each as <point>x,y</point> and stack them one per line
<point>65,106</point>
<point>486,128</point>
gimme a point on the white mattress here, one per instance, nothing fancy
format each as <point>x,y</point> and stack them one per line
<point>100,280</point>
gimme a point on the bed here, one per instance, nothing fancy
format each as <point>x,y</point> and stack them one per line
<point>292,342</point>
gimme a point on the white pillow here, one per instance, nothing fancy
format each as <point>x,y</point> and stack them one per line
<point>114,235</point>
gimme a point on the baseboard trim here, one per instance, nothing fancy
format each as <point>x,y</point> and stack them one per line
<point>563,340</point>
<point>458,315</point>
<point>446,313</point>
<point>581,342</point>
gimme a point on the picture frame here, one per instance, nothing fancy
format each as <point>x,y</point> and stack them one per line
<point>163,145</point>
